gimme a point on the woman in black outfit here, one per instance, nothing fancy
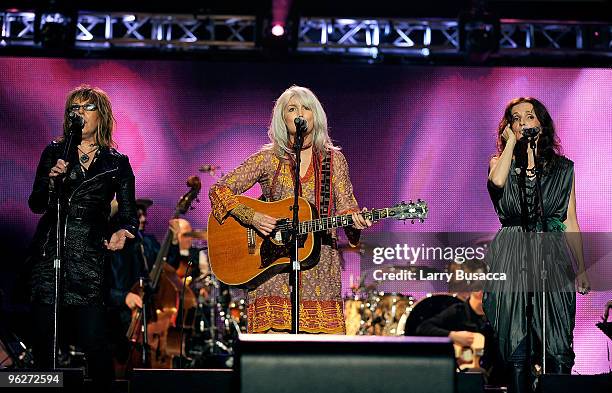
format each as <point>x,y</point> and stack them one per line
<point>93,174</point>
<point>534,262</point>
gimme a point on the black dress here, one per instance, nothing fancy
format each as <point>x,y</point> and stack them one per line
<point>527,257</point>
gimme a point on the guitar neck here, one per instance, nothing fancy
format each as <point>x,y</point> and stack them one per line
<point>325,223</point>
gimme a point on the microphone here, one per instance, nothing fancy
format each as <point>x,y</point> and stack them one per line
<point>300,124</point>
<point>208,168</point>
<point>530,132</point>
<point>76,122</point>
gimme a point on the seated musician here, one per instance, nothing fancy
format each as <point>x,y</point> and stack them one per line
<point>134,261</point>
<point>461,322</point>
<point>128,265</point>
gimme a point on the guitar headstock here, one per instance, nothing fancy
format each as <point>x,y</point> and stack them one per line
<point>409,211</point>
<point>194,183</point>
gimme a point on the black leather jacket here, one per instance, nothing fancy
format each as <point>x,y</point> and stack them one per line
<point>86,205</point>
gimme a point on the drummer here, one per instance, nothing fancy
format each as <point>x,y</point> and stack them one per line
<point>183,255</point>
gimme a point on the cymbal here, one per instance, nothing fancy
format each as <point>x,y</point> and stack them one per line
<point>197,234</point>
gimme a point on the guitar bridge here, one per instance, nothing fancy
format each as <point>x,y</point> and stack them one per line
<point>251,240</point>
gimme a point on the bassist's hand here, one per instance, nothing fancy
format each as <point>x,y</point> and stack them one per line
<point>132,301</point>
<point>264,223</point>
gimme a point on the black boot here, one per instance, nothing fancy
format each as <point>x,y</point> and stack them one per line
<point>519,379</point>
<point>557,366</point>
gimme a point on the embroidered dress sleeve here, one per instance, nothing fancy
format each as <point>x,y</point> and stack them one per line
<point>223,193</point>
<point>345,201</point>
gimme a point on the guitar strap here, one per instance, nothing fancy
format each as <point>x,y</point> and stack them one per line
<point>325,198</point>
<point>323,180</point>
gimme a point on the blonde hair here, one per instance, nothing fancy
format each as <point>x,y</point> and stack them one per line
<point>278,132</point>
<point>106,122</point>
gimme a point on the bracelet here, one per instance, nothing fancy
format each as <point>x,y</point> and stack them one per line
<point>243,213</point>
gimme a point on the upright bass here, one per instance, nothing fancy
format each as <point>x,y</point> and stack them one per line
<point>160,296</point>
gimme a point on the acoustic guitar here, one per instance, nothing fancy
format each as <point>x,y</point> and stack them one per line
<point>241,256</point>
<point>469,357</point>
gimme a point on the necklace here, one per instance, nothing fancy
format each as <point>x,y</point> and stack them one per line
<point>85,156</point>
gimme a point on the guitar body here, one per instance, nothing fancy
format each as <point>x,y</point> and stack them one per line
<point>243,257</point>
<point>469,357</point>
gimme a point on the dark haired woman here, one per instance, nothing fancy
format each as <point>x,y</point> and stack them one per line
<point>91,177</point>
<point>525,256</point>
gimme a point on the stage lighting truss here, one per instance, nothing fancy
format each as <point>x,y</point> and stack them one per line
<point>424,37</point>
<point>368,37</point>
<point>17,28</point>
<point>98,30</point>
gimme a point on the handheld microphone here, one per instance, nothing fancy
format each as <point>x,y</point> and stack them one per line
<point>300,124</point>
<point>76,122</point>
<point>530,132</point>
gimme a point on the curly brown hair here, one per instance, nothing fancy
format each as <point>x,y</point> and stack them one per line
<point>94,95</point>
<point>549,146</point>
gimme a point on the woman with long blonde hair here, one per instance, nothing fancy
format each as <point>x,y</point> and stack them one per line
<point>269,305</point>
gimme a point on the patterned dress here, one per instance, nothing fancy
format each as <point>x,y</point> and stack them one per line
<point>269,305</point>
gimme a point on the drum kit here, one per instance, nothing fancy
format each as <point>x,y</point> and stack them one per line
<point>370,312</point>
<point>375,313</point>
<point>218,318</point>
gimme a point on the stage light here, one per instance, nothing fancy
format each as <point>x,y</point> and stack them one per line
<point>479,32</point>
<point>55,27</point>
<point>278,30</point>
<point>56,31</point>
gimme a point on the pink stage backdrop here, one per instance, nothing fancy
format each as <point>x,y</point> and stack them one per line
<point>407,132</point>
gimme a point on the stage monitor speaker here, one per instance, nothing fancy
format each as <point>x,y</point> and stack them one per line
<point>344,364</point>
<point>559,383</point>
<point>182,381</point>
<point>470,382</point>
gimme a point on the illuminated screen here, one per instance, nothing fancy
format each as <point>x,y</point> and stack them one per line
<point>407,132</point>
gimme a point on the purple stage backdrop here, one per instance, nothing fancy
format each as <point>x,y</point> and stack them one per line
<point>407,132</point>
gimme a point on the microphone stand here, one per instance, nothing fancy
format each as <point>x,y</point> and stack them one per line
<point>294,279</point>
<point>538,183</point>
<point>75,130</point>
<point>147,292</point>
